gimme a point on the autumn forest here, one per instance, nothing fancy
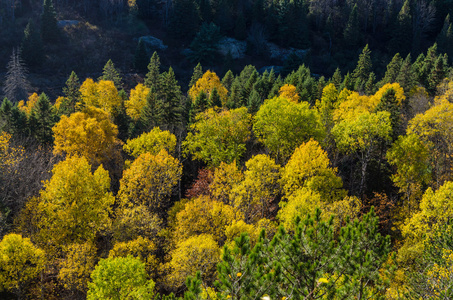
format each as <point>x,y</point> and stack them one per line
<point>311,158</point>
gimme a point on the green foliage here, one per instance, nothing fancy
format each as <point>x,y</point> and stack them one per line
<point>282,125</point>
<point>31,47</point>
<point>111,73</point>
<point>185,19</point>
<point>152,77</point>
<point>140,57</point>
<point>120,278</point>
<point>72,93</point>
<point>218,136</point>
<point>204,45</point>
<point>49,30</point>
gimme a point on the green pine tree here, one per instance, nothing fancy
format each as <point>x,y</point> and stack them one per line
<point>111,73</point>
<point>140,57</point>
<point>153,76</point>
<point>204,45</point>
<point>351,32</point>
<point>46,120</point>
<point>214,99</point>
<point>31,47</point>
<point>49,29</point>
<point>336,78</point>
<point>227,80</point>
<point>390,103</point>
<point>185,19</point>
<point>362,71</point>
<point>393,69</point>
<point>72,94</point>
<point>170,101</point>
<point>402,34</point>
<point>370,86</point>
<point>406,75</point>
<point>197,74</point>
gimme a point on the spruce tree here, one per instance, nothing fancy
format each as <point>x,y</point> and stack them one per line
<point>5,115</point>
<point>254,102</point>
<point>406,76</point>
<point>185,19</point>
<point>140,57</point>
<point>31,47</point>
<point>16,86</point>
<point>170,101</point>
<point>402,34</point>
<point>393,69</point>
<point>390,103</point>
<point>336,78</point>
<point>351,32</point>
<point>45,120</point>
<point>197,74</point>
<point>214,99</point>
<point>153,76</point>
<point>18,122</point>
<point>204,45</point>
<point>437,74</point>
<point>111,73</point>
<point>362,72</point>
<point>227,80</point>
<point>72,93</point>
<point>49,29</point>
<point>370,87</point>
<point>150,112</point>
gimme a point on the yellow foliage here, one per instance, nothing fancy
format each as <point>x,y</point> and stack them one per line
<point>150,180</point>
<point>60,100</point>
<point>102,94</point>
<point>27,108</point>
<point>352,106</point>
<point>237,227</point>
<point>203,215</point>
<point>399,94</point>
<point>77,266</point>
<point>226,177</point>
<point>289,91</point>
<point>9,156</point>
<point>308,167</point>
<point>152,142</point>
<point>197,253</point>
<point>137,101</point>
<point>207,83</point>
<point>300,203</point>
<point>141,248</point>
<point>260,186</point>
<point>89,133</point>
<point>75,203</point>
<point>436,208</point>
<point>20,262</point>
<point>131,223</point>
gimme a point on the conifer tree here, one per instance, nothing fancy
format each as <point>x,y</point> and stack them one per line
<point>370,87</point>
<point>185,19</point>
<point>214,99</point>
<point>72,93</point>
<point>5,115</point>
<point>402,35</point>
<point>111,73</point>
<point>393,69</point>
<point>204,45</point>
<point>49,29</point>
<point>18,122</point>
<point>362,72</point>
<point>337,78</point>
<point>254,102</point>
<point>153,75</point>
<point>170,100</point>
<point>45,120</point>
<point>31,47</point>
<point>140,57</point>
<point>16,86</point>
<point>390,103</point>
<point>406,76</point>
<point>149,115</point>
<point>437,74</point>
<point>197,74</point>
<point>227,80</point>
<point>351,32</point>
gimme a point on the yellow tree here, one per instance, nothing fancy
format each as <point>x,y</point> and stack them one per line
<point>137,101</point>
<point>204,215</point>
<point>102,94</point>
<point>77,265</point>
<point>261,185</point>
<point>219,136</point>
<point>197,253</point>
<point>152,142</point>
<point>90,133</point>
<point>20,262</point>
<point>436,209</point>
<point>74,205</point>
<point>27,107</point>
<point>225,179</point>
<point>207,83</point>
<point>434,128</point>
<point>149,181</point>
<point>289,91</point>
<point>309,167</point>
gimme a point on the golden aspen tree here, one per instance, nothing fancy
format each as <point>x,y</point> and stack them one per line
<point>137,101</point>
<point>149,181</point>
<point>152,142</point>
<point>90,133</point>
<point>289,91</point>
<point>102,94</point>
<point>207,83</point>
<point>225,178</point>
